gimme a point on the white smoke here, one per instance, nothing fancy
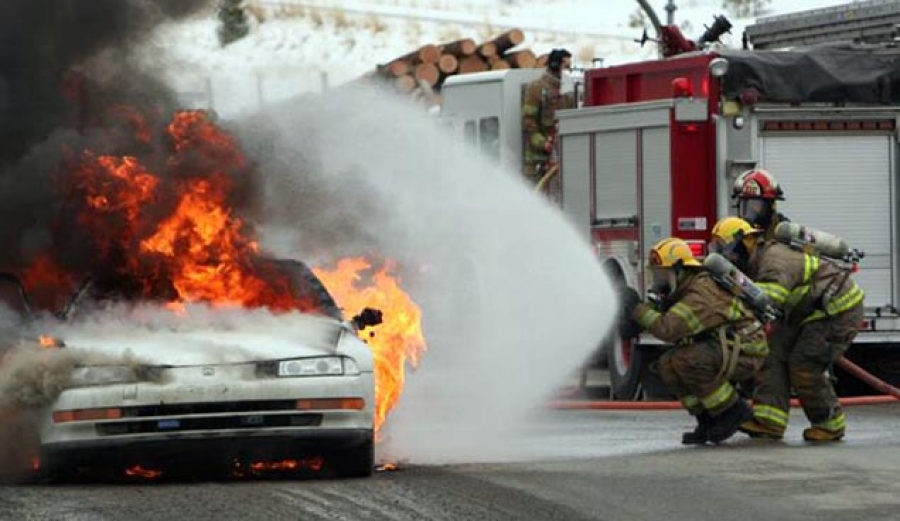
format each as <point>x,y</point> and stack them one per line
<point>514,300</point>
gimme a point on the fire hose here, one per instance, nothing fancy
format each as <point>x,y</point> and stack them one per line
<point>552,171</point>
<point>891,394</point>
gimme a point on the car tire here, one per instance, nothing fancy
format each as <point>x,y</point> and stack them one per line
<point>626,364</point>
<point>358,462</point>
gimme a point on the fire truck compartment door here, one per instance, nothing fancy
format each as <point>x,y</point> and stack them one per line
<point>843,184</point>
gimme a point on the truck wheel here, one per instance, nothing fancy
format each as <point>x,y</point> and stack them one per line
<point>358,462</point>
<point>625,367</point>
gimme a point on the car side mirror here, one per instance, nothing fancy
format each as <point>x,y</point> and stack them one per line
<point>368,317</point>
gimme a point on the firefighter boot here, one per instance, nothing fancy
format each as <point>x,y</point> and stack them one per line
<point>757,429</point>
<point>727,422</point>
<point>820,434</point>
<point>700,435</point>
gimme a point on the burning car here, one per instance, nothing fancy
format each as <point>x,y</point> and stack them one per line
<point>158,210</point>
<point>247,398</point>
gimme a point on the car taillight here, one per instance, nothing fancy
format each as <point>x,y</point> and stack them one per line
<point>320,404</point>
<point>83,415</point>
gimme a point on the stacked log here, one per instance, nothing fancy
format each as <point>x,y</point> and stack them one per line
<point>422,73</point>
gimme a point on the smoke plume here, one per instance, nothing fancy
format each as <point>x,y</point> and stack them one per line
<point>514,301</point>
<point>66,85</point>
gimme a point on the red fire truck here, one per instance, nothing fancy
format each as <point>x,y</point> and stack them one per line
<point>654,149</point>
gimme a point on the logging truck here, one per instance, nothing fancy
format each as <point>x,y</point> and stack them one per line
<point>655,146</point>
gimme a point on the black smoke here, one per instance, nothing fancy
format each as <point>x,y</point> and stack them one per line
<point>43,42</point>
<point>63,65</point>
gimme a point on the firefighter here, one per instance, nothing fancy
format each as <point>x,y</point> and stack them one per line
<point>715,338</point>
<point>757,193</point>
<point>540,101</point>
<point>821,307</point>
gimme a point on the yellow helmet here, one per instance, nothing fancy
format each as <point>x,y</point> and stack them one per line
<point>672,252</point>
<point>731,229</point>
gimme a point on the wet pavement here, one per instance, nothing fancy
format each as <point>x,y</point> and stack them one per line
<point>567,465</point>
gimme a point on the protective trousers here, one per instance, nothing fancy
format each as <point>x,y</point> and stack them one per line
<point>799,357</point>
<point>694,374</point>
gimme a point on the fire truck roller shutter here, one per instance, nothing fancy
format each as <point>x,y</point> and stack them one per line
<point>615,167</point>
<point>846,185</point>
<point>656,224</point>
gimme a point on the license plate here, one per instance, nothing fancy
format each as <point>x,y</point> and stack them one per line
<point>168,424</point>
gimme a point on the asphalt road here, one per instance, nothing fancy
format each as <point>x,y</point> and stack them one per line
<point>587,465</point>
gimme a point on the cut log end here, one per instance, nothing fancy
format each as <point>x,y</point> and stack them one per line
<point>487,49</point>
<point>429,53</point>
<point>427,72</point>
<point>448,64</point>
<point>460,48</point>
<point>472,64</point>
<point>508,40</point>
<point>397,68</point>
<point>499,65</point>
<point>405,84</point>
<point>522,59</point>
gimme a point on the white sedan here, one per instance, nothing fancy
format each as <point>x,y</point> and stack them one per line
<point>190,397</point>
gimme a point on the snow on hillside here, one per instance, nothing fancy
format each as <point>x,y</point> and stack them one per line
<point>307,46</point>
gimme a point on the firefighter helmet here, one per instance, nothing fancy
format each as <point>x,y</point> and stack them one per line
<point>729,239</point>
<point>672,252</point>
<point>731,229</point>
<point>557,58</point>
<point>757,184</point>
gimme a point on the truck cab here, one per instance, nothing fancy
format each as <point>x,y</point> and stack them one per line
<point>486,109</point>
<point>657,147</point>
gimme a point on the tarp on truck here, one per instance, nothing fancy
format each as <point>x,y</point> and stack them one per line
<point>845,73</point>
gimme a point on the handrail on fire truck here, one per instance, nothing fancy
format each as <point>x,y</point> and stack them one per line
<point>871,21</point>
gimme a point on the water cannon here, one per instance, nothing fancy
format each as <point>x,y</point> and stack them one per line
<point>720,26</point>
<point>670,39</point>
<point>738,284</point>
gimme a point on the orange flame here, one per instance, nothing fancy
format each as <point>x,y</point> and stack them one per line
<point>44,279</point>
<point>288,465</point>
<point>47,341</point>
<point>167,229</point>
<point>141,472</point>
<point>395,341</point>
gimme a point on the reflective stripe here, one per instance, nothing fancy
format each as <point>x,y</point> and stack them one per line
<point>796,296</point>
<point>720,396</point>
<point>775,291</point>
<point>648,318</point>
<point>836,306</point>
<point>810,267</point>
<point>538,140</point>
<point>685,313</point>
<point>771,414</point>
<point>690,401</point>
<point>838,423</point>
<point>760,348</point>
<point>529,110</point>
<point>734,312</point>
<point>845,301</point>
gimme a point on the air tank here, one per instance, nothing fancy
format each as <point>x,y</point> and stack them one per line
<point>812,240</point>
<point>734,280</point>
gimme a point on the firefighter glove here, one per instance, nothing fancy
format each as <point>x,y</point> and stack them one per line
<point>629,299</point>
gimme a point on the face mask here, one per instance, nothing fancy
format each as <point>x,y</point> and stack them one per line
<point>757,212</point>
<point>735,251</point>
<point>662,281</point>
